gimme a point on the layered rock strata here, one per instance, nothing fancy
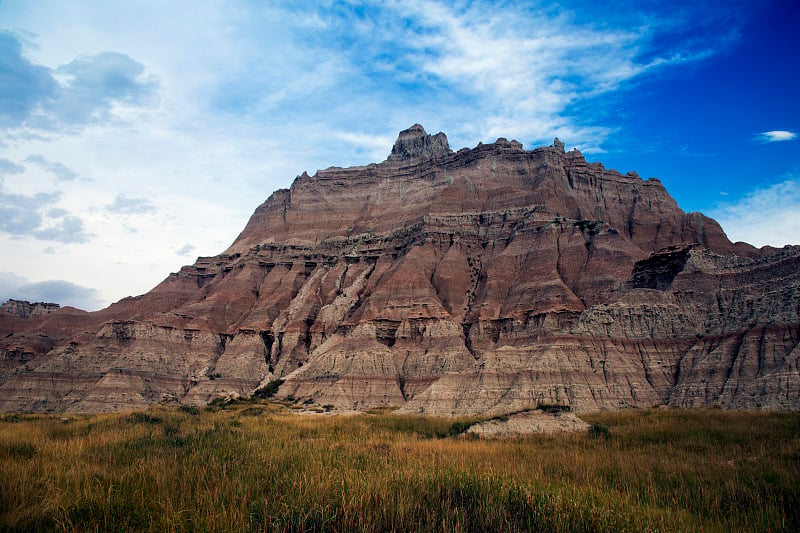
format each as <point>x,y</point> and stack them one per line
<point>484,281</point>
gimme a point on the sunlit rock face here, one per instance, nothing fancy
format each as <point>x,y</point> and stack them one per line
<point>484,281</point>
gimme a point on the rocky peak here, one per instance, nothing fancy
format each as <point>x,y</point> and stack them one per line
<point>415,143</point>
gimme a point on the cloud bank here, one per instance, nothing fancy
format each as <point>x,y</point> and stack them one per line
<point>51,291</point>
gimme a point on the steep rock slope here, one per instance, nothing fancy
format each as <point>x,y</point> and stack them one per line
<point>487,280</point>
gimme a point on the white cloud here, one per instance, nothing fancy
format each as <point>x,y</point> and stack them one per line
<point>776,136</point>
<point>766,216</point>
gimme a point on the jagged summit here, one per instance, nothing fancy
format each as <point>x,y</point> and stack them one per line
<point>415,143</point>
<point>484,282</point>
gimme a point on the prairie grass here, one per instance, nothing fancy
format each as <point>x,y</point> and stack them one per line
<point>257,467</point>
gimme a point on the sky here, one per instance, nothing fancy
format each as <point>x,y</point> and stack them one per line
<point>138,135</point>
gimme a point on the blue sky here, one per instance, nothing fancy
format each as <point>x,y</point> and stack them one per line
<point>137,135</point>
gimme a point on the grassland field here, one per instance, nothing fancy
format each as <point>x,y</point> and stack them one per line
<point>255,466</point>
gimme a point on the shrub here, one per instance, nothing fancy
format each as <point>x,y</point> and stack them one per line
<point>219,401</point>
<point>143,418</point>
<point>458,427</point>
<point>553,408</point>
<point>597,430</point>
<point>21,450</point>
<point>252,411</point>
<point>269,390</point>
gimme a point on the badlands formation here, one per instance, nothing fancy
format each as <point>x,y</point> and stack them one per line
<point>485,281</point>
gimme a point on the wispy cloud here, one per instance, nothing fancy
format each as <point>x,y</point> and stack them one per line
<point>527,74</point>
<point>9,167</point>
<point>37,216</point>
<point>65,229</point>
<point>131,206</point>
<point>765,216</point>
<point>374,147</point>
<point>186,249</point>
<point>61,171</point>
<point>775,136</point>
<point>480,70</point>
<point>21,214</point>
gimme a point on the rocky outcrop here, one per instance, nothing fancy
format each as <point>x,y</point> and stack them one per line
<point>482,282</point>
<point>415,144</point>
<point>527,422</point>
<point>23,309</point>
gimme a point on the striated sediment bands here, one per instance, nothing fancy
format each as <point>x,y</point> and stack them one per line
<point>484,281</point>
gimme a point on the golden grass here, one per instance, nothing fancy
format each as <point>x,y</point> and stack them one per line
<point>255,467</point>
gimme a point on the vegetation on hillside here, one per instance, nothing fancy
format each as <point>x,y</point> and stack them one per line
<point>255,467</point>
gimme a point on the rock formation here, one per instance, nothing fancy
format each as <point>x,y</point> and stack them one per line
<point>484,281</point>
<point>22,309</point>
